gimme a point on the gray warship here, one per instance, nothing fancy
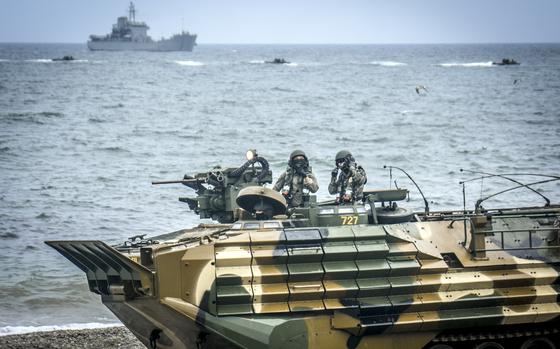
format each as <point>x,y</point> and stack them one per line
<point>128,35</point>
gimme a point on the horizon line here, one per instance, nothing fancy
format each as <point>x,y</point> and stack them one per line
<point>322,43</point>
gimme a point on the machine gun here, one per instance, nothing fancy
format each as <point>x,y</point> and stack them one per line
<point>217,190</point>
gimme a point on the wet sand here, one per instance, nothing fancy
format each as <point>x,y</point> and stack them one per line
<point>112,337</point>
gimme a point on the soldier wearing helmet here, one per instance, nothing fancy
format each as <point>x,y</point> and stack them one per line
<point>298,176</point>
<point>347,178</point>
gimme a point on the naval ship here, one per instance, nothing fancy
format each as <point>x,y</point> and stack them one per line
<point>128,34</point>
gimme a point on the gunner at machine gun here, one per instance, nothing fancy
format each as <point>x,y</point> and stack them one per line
<point>227,194</point>
<point>297,177</point>
<point>347,175</point>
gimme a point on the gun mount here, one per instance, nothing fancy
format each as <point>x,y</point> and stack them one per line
<point>217,189</point>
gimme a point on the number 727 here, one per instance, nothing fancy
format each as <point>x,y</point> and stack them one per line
<point>349,220</point>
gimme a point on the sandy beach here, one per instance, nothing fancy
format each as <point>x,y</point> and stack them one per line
<point>112,337</point>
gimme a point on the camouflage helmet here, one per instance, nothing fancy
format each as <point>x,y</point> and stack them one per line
<point>341,155</point>
<point>297,152</point>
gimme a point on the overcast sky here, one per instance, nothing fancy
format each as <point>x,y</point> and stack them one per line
<point>291,21</point>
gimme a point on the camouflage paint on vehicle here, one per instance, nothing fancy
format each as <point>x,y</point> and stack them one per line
<point>334,277</point>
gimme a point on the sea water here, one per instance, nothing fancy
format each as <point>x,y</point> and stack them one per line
<point>81,141</point>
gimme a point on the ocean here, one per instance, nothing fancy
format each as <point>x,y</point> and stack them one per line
<point>81,141</point>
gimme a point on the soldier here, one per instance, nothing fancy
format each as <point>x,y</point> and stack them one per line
<point>298,176</point>
<point>347,176</point>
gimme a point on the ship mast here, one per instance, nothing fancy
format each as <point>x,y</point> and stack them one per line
<point>131,13</point>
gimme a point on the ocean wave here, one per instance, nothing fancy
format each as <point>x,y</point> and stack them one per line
<point>40,60</point>
<point>96,120</point>
<point>9,235</point>
<point>537,122</point>
<point>410,112</point>
<point>4,60</point>
<point>114,149</point>
<point>387,63</point>
<point>104,179</point>
<point>190,63</point>
<point>112,106</point>
<point>50,60</point>
<point>43,215</point>
<point>49,114</point>
<point>281,89</point>
<point>293,64</point>
<point>10,330</point>
<point>468,65</point>
<point>43,113</point>
<point>364,104</point>
<point>402,124</point>
<point>256,61</point>
<point>30,117</point>
<point>191,137</point>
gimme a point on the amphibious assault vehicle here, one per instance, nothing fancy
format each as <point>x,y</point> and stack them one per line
<point>364,275</point>
<point>506,61</point>
<point>278,61</point>
<point>64,59</point>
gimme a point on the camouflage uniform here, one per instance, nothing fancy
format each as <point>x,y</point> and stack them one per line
<point>294,180</point>
<point>350,177</point>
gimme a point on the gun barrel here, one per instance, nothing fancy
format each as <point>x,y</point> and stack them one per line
<point>180,181</point>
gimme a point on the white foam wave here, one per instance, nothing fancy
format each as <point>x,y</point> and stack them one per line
<point>387,63</point>
<point>256,61</point>
<point>10,330</point>
<point>293,64</point>
<point>190,63</point>
<point>42,60</point>
<point>473,64</point>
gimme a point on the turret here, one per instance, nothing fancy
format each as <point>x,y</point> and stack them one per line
<point>220,195</point>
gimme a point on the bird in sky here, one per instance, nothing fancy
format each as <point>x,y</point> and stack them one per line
<point>420,88</point>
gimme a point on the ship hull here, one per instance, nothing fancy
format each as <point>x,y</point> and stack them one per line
<point>176,43</point>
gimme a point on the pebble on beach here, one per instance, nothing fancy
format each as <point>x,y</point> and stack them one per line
<point>111,337</point>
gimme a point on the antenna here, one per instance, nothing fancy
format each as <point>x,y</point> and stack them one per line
<point>131,12</point>
<point>477,205</point>
<point>426,207</point>
<point>489,175</point>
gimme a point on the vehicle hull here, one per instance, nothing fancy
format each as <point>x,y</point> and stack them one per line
<point>445,276</point>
